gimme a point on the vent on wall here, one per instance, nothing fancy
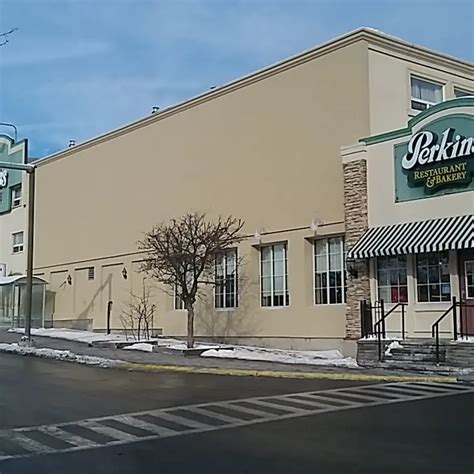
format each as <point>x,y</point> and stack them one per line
<point>91,273</point>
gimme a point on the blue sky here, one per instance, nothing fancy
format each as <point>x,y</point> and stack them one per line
<point>77,68</point>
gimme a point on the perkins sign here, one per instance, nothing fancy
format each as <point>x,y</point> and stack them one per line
<point>436,160</point>
<point>3,178</point>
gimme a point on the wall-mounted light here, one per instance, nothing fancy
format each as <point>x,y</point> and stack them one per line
<point>124,273</point>
<point>315,223</point>
<point>258,235</point>
<point>69,280</point>
<point>351,267</point>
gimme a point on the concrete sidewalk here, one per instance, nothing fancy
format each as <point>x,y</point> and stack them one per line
<point>157,362</point>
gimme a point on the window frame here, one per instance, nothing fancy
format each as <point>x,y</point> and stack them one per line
<point>286,291</point>
<point>18,248</point>
<point>178,303</point>
<point>466,281</point>
<point>389,286</point>
<point>427,284</point>
<point>465,92</point>
<point>343,270</point>
<point>224,254</point>
<point>19,199</point>
<point>428,104</point>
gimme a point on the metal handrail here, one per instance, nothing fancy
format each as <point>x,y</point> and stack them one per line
<point>435,326</point>
<point>381,322</point>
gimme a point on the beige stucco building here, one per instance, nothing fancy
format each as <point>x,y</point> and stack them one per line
<point>266,148</point>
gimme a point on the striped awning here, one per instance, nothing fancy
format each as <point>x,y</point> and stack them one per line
<point>449,233</point>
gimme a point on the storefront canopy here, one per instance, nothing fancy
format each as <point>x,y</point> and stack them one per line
<point>450,233</point>
<point>20,280</point>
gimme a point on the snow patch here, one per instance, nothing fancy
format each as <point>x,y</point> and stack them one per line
<point>392,345</point>
<point>72,335</point>
<point>57,355</point>
<point>331,357</point>
<point>140,346</point>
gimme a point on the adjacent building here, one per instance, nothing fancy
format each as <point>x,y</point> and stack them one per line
<point>12,227</point>
<point>266,148</point>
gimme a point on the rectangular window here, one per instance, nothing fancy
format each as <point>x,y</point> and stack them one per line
<point>469,275</point>
<point>392,279</point>
<point>425,93</point>
<point>18,242</point>
<point>274,275</point>
<point>462,92</point>
<point>432,277</point>
<point>225,292</point>
<point>16,196</point>
<point>329,271</point>
<point>178,302</point>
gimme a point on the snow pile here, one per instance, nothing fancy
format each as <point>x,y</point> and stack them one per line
<point>330,357</point>
<point>57,355</point>
<point>466,339</point>
<point>140,346</point>
<point>392,345</point>
<point>72,335</point>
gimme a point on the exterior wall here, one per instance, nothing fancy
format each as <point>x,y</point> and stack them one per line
<point>383,210</point>
<point>267,152</point>
<point>12,219</point>
<point>265,149</point>
<point>389,76</point>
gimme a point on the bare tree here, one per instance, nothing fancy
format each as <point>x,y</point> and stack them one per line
<point>4,37</point>
<point>181,255</point>
<point>139,315</point>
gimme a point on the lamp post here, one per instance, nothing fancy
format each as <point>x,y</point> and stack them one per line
<point>30,170</point>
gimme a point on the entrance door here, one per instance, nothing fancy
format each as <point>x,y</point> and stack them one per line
<point>466,275</point>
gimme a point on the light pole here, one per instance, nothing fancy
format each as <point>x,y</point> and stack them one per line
<point>30,170</point>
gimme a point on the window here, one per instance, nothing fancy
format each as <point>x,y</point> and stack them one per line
<point>90,273</point>
<point>16,196</point>
<point>225,293</point>
<point>178,302</point>
<point>432,277</point>
<point>392,279</point>
<point>469,274</point>
<point>18,242</point>
<point>462,92</point>
<point>424,93</point>
<point>329,271</point>
<point>274,275</point>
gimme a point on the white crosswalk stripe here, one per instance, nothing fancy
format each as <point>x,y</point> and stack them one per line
<point>210,416</point>
<point>107,431</point>
<point>65,436</point>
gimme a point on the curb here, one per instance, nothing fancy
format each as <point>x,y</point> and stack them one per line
<point>283,374</point>
<point>131,366</point>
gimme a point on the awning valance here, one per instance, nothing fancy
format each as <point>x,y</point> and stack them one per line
<point>449,233</point>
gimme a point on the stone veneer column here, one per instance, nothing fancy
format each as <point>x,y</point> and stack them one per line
<point>356,222</point>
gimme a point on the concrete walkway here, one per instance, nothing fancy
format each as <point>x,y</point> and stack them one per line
<point>175,362</point>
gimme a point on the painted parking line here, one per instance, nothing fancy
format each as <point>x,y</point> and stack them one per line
<point>211,416</point>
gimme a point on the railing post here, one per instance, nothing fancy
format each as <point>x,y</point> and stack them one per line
<point>455,320</point>
<point>362,318</point>
<point>382,315</point>
<point>403,321</point>
<point>461,320</point>
<point>437,344</point>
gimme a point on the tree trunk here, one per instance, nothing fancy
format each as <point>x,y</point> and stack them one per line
<point>190,309</point>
